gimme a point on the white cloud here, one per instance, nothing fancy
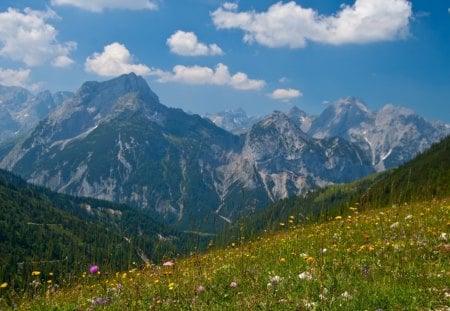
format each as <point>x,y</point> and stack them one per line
<point>100,5</point>
<point>20,77</point>
<point>220,75</point>
<point>289,24</point>
<point>230,6</point>
<point>285,94</point>
<point>26,37</point>
<point>186,44</point>
<point>114,61</point>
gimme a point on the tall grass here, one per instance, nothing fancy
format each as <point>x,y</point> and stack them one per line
<point>395,258</point>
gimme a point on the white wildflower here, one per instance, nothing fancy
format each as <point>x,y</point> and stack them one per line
<point>394,225</point>
<point>346,296</point>
<point>305,276</point>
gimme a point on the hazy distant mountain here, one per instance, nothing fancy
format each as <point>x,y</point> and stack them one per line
<point>390,136</point>
<point>114,140</point>
<point>20,110</point>
<point>234,121</point>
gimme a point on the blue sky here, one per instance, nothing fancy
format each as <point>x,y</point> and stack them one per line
<point>208,55</point>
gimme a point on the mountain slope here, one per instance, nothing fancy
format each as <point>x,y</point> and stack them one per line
<point>390,136</point>
<point>425,178</point>
<point>234,121</point>
<point>20,110</point>
<point>46,231</point>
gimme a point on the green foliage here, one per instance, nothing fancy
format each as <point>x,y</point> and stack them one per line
<point>45,231</point>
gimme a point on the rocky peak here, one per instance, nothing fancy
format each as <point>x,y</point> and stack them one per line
<point>300,118</point>
<point>336,119</point>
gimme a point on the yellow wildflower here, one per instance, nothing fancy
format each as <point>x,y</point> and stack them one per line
<point>36,273</point>
<point>4,285</point>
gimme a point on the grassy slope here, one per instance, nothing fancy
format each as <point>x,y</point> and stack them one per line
<point>394,258</point>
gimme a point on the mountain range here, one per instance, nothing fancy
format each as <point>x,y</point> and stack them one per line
<point>20,110</point>
<point>114,140</point>
<point>389,137</point>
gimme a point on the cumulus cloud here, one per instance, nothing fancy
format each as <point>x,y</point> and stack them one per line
<point>114,61</point>
<point>20,77</point>
<point>289,24</point>
<point>187,44</point>
<point>100,5</point>
<point>220,75</point>
<point>285,94</point>
<point>230,6</point>
<point>27,37</point>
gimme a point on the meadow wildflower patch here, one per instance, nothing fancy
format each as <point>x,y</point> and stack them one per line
<point>394,258</point>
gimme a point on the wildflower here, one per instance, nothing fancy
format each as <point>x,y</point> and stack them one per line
<point>346,296</point>
<point>168,264</point>
<point>282,260</point>
<point>310,259</point>
<point>233,284</point>
<point>275,280</point>
<point>101,301</point>
<point>338,217</point>
<point>4,285</point>
<point>94,269</point>
<point>408,217</point>
<point>323,250</point>
<point>200,289</point>
<point>305,276</point>
<point>36,273</point>
<point>443,236</point>
<point>171,286</point>
<point>309,305</point>
<point>394,225</point>
<point>50,274</point>
<point>366,271</point>
<point>282,224</point>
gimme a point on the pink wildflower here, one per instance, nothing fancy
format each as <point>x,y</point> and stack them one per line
<point>94,269</point>
<point>168,264</point>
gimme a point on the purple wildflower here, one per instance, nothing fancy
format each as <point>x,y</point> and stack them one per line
<point>94,269</point>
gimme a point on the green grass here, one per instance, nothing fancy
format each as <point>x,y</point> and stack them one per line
<point>394,258</point>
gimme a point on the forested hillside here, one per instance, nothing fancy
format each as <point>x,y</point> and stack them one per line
<point>44,231</point>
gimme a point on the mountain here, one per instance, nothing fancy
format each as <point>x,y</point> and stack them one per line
<point>390,136</point>
<point>289,161</point>
<point>234,121</point>
<point>303,120</point>
<point>49,232</point>
<point>114,140</point>
<point>20,110</point>
<point>425,178</point>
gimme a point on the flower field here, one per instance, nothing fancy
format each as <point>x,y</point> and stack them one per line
<point>395,258</point>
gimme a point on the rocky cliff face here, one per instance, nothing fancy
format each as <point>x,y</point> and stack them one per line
<point>390,136</point>
<point>114,140</point>
<point>20,110</point>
